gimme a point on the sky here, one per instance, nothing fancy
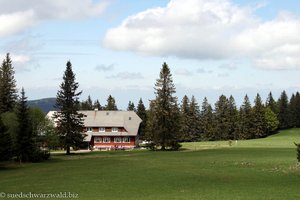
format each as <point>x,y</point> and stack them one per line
<point>117,47</point>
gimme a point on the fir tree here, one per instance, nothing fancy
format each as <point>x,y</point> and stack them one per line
<point>207,121</point>
<point>271,121</point>
<point>222,119</point>
<point>185,118</point>
<point>8,91</point>
<point>297,109</point>
<point>283,114</point>
<point>111,103</point>
<point>131,106</point>
<point>292,111</point>
<point>166,113</point>
<point>259,121</point>
<point>141,112</point>
<point>232,116</point>
<point>25,143</point>
<point>272,104</point>
<point>195,125</point>
<point>87,104</point>
<point>69,120</point>
<point>97,105</point>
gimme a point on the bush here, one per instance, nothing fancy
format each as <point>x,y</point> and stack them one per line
<point>175,146</point>
<point>298,151</point>
<point>39,155</point>
<point>151,146</point>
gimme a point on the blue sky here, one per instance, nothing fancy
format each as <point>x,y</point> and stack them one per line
<point>117,47</point>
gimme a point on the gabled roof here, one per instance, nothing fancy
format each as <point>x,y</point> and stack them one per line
<point>94,118</point>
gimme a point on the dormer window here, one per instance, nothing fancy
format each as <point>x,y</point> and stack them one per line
<point>101,129</point>
<point>114,129</point>
<point>89,129</point>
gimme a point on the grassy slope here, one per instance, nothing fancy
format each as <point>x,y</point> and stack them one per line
<point>237,172</point>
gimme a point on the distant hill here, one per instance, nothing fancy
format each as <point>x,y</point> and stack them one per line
<point>45,105</point>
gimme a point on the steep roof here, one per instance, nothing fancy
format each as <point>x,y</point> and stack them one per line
<point>94,118</point>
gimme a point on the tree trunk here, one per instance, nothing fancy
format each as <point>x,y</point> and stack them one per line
<point>68,150</point>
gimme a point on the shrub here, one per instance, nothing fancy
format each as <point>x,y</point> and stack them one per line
<point>39,155</point>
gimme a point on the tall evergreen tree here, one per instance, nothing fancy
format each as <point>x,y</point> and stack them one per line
<point>207,123</point>
<point>245,120</point>
<point>222,119</point>
<point>8,91</point>
<point>166,115</point>
<point>283,114</point>
<point>259,121</point>
<point>97,105</point>
<point>111,103</point>
<point>271,121</point>
<point>292,111</point>
<point>141,112</point>
<point>195,125</point>
<point>297,109</point>
<point>87,104</point>
<point>185,120</point>
<point>232,116</point>
<point>272,104</point>
<point>131,106</point>
<point>25,143</point>
<point>6,146</point>
<point>69,120</point>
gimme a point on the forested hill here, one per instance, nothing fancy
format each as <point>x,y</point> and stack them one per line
<point>45,104</point>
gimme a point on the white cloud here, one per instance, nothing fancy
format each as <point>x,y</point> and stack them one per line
<point>183,72</point>
<point>105,68</point>
<point>210,29</point>
<point>18,15</point>
<point>126,75</point>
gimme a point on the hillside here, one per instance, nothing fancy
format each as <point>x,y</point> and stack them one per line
<point>45,104</point>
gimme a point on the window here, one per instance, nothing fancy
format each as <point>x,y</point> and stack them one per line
<point>118,139</point>
<point>114,129</point>
<point>89,129</point>
<point>106,139</point>
<point>97,139</point>
<point>126,139</point>
<point>101,129</point>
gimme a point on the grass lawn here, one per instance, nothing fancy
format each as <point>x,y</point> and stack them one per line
<point>254,169</point>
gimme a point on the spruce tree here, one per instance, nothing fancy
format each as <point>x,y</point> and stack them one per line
<point>207,122</point>
<point>245,120</point>
<point>259,121</point>
<point>6,146</point>
<point>25,143</point>
<point>271,121</point>
<point>166,115</point>
<point>111,103</point>
<point>141,112</point>
<point>195,124</point>
<point>292,111</point>
<point>185,120</point>
<point>131,106</point>
<point>97,105</point>
<point>283,114</point>
<point>222,119</point>
<point>8,91</point>
<point>272,104</point>
<point>87,104</point>
<point>297,109</point>
<point>70,122</point>
<point>232,116</point>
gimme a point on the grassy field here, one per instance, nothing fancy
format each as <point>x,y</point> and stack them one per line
<point>254,169</point>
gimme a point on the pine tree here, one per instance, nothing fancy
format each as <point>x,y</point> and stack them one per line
<point>141,112</point>
<point>292,111</point>
<point>271,121</point>
<point>259,121</point>
<point>8,91</point>
<point>283,114</point>
<point>166,113</point>
<point>25,143</point>
<point>131,106</point>
<point>245,120</point>
<point>87,104</point>
<point>297,109</point>
<point>69,120</point>
<point>232,116</point>
<point>207,123</point>
<point>111,103</point>
<point>6,146</point>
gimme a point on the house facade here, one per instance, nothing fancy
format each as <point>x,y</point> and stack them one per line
<point>110,129</point>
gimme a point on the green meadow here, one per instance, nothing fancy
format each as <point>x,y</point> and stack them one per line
<point>253,169</point>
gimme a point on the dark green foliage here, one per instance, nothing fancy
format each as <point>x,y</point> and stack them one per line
<point>207,121</point>
<point>97,105</point>
<point>259,121</point>
<point>185,120</point>
<point>141,112</point>
<point>8,90</point>
<point>283,113</point>
<point>294,110</point>
<point>87,104</point>
<point>272,104</point>
<point>195,125</point>
<point>245,123</point>
<point>131,106</point>
<point>164,121</point>
<point>232,119</point>
<point>298,151</point>
<point>222,118</point>
<point>111,103</point>
<point>25,142</point>
<point>6,145</point>
<point>70,122</point>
